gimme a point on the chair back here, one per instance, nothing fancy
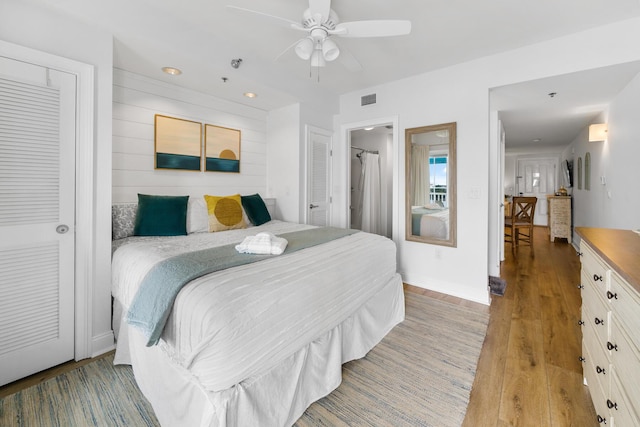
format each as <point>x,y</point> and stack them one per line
<point>523,210</point>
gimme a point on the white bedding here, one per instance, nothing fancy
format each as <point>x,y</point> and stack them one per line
<point>239,323</point>
<point>435,225</point>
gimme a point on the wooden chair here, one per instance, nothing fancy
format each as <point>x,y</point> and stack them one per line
<point>520,223</point>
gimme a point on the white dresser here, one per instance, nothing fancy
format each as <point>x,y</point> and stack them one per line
<point>559,211</point>
<point>610,281</point>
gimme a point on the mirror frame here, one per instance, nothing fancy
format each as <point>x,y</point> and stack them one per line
<point>451,184</point>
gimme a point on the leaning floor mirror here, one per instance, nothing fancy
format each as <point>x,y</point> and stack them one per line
<point>431,184</point>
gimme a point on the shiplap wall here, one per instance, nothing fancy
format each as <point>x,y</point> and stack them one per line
<point>137,99</point>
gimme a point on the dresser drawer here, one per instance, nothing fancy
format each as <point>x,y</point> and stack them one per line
<point>596,314</point>
<point>596,383</point>
<point>594,269</point>
<point>599,362</point>
<point>622,412</point>
<point>625,356</point>
<point>625,301</point>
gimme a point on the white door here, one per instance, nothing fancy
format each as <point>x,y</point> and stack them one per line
<point>318,176</point>
<point>37,214</point>
<point>537,177</point>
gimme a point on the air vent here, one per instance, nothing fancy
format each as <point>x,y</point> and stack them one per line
<point>368,99</point>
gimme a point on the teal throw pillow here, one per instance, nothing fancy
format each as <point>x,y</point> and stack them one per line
<point>256,209</point>
<point>161,215</point>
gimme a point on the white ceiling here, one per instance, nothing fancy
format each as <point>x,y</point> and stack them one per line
<point>201,37</point>
<point>529,111</point>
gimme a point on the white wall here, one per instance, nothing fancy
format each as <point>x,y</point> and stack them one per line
<point>136,101</point>
<point>287,154</point>
<point>284,161</point>
<point>46,30</point>
<point>461,94</point>
<point>616,203</point>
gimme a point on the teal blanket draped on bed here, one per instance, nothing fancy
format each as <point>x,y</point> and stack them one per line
<point>152,303</point>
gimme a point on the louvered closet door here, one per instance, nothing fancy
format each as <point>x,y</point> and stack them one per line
<point>37,176</point>
<point>318,184</point>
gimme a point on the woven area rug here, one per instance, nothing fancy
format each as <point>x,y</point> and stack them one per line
<point>96,394</point>
<point>419,375</point>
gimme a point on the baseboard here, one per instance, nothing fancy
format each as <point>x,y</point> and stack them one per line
<point>102,343</point>
<point>481,295</point>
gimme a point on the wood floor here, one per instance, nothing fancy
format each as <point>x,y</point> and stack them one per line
<point>528,373</point>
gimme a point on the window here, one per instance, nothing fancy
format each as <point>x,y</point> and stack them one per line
<point>438,179</point>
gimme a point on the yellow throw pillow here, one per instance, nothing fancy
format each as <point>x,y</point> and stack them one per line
<point>225,213</point>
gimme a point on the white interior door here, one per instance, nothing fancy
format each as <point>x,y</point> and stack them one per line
<point>318,176</point>
<point>537,177</point>
<point>37,215</point>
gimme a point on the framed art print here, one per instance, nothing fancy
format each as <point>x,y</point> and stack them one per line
<point>178,143</point>
<point>222,149</point>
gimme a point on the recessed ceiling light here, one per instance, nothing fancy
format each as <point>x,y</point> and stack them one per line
<point>171,70</point>
<point>537,140</point>
<point>250,94</point>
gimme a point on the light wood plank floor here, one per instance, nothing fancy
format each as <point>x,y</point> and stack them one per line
<point>528,373</point>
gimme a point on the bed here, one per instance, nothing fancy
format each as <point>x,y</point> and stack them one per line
<point>430,221</point>
<point>256,343</point>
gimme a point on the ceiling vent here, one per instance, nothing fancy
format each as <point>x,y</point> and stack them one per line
<point>368,99</point>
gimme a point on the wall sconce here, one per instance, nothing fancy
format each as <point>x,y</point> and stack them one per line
<point>597,132</point>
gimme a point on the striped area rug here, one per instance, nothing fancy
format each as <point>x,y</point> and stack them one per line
<point>96,394</point>
<point>419,375</point>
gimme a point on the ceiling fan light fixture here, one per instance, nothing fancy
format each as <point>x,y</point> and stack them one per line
<point>317,59</point>
<point>304,48</point>
<point>330,50</point>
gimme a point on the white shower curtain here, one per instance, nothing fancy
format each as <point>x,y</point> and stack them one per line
<point>420,179</point>
<point>370,191</point>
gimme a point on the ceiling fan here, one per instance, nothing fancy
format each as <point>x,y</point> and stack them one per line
<point>320,23</point>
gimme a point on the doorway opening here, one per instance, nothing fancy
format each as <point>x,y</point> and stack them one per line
<point>371,180</point>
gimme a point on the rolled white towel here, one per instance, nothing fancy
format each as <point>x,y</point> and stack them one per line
<point>278,245</point>
<point>264,243</point>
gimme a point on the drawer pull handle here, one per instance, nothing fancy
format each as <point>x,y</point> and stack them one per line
<point>612,405</point>
<point>580,286</point>
<point>581,359</point>
<point>580,322</point>
<point>611,346</point>
<point>612,295</point>
<point>600,370</point>
<point>599,321</point>
<point>602,420</point>
<point>596,278</point>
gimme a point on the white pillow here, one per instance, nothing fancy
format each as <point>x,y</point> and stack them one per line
<point>197,215</point>
<point>433,206</point>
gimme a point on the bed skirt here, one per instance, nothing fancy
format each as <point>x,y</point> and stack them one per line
<point>277,397</point>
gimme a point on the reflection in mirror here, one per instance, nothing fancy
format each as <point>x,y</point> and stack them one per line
<point>430,154</point>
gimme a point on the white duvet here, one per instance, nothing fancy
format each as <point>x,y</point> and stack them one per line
<point>237,323</point>
<point>435,225</point>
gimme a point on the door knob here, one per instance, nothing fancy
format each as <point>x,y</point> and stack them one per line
<point>311,206</point>
<point>62,228</point>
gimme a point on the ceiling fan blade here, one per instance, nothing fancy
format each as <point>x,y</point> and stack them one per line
<point>374,28</point>
<point>290,47</point>
<point>348,60</point>
<point>320,7</point>
<point>280,20</point>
